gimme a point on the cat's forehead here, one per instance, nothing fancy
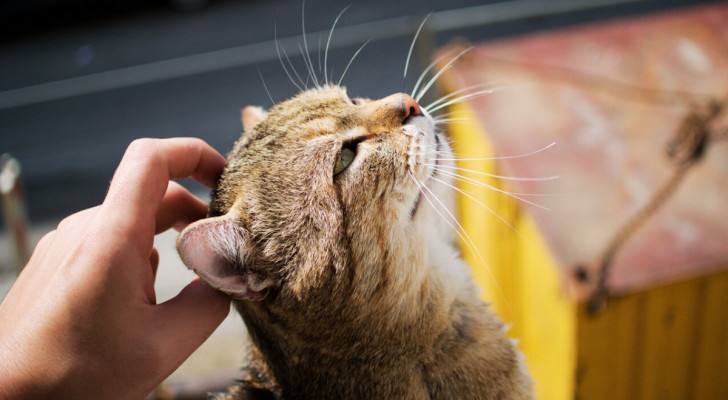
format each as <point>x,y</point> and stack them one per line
<point>310,114</point>
<point>324,94</point>
<point>314,102</point>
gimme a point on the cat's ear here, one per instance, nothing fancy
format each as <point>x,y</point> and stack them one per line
<point>215,248</point>
<point>251,116</point>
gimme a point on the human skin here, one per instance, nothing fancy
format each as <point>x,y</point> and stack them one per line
<point>82,320</point>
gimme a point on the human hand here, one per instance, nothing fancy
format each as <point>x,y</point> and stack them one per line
<point>82,321</point>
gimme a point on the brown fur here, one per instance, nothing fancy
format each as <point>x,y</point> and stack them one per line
<point>361,303</point>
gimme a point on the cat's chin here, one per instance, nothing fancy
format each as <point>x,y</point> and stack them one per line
<point>422,123</point>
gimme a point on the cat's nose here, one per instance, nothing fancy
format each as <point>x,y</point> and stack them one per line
<point>400,103</point>
<point>394,108</point>
<point>411,108</point>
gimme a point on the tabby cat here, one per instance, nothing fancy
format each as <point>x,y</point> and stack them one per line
<point>324,230</point>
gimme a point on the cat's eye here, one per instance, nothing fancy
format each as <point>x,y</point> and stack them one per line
<point>356,101</point>
<point>345,158</point>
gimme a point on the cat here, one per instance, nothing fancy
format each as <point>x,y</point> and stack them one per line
<point>324,232</point>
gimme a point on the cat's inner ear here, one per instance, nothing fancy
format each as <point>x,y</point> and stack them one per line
<point>215,249</point>
<point>251,116</point>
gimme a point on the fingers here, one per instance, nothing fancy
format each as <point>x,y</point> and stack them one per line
<point>142,177</point>
<point>187,320</point>
<point>203,164</point>
<point>179,208</point>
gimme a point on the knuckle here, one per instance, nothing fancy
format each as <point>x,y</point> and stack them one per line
<point>46,239</point>
<point>74,220</point>
<point>66,223</point>
<point>142,145</point>
<point>145,151</point>
<point>198,143</point>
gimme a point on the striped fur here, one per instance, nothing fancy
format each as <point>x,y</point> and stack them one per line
<point>369,301</point>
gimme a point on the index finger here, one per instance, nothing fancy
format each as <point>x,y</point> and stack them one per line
<point>141,180</point>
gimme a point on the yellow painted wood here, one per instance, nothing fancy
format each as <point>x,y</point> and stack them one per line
<point>547,318</point>
<point>516,272</point>
<point>485,248</point>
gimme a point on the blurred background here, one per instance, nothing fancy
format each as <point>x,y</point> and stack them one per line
<point>79,80</point>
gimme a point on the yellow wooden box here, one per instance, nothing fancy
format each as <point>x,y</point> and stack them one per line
<point>610,97</point>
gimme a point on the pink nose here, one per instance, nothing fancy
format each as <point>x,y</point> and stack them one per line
<point>410,106</point>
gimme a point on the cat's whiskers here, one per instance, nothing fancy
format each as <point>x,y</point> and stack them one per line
<point>318,54</point>
<point>443,121</point>
<point>350,61</point>
<point>433,107</point>
<point>442,103</point>
<point>452,172</point>
<point>510,178</point>
<point>307,54</point>
<point>453,223</point>
<point>447,66</point>
<point>449,114</point>
<point>293,68</point>
<point>308,79</point>
<point>425,72</point>
<point>328,42</point>
<point>280,58</point>
<point>309,67</point>
<point>265,86</point>
<point>471,197</point>
<point>490,187</point>
<point>468,158</point>
<point>448,96</point>
<point>409,53</point>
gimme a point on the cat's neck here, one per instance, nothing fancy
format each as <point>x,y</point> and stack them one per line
<point>398,314</point>
<point>350,347</point>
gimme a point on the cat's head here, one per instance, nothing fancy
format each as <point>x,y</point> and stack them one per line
<point>322,192</point>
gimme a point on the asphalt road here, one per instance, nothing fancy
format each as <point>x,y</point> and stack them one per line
<point>73,96</point>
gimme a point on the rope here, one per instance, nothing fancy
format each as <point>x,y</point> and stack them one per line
<point>685,150</point>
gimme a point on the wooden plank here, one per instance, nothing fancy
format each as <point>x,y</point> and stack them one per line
<point>711,362</point>
<point>627,333</point>
<point>670,328</point>
<point>593,355</point>
<point>608,343</point>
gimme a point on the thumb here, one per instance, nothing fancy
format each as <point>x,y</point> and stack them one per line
<point>188,319</point>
